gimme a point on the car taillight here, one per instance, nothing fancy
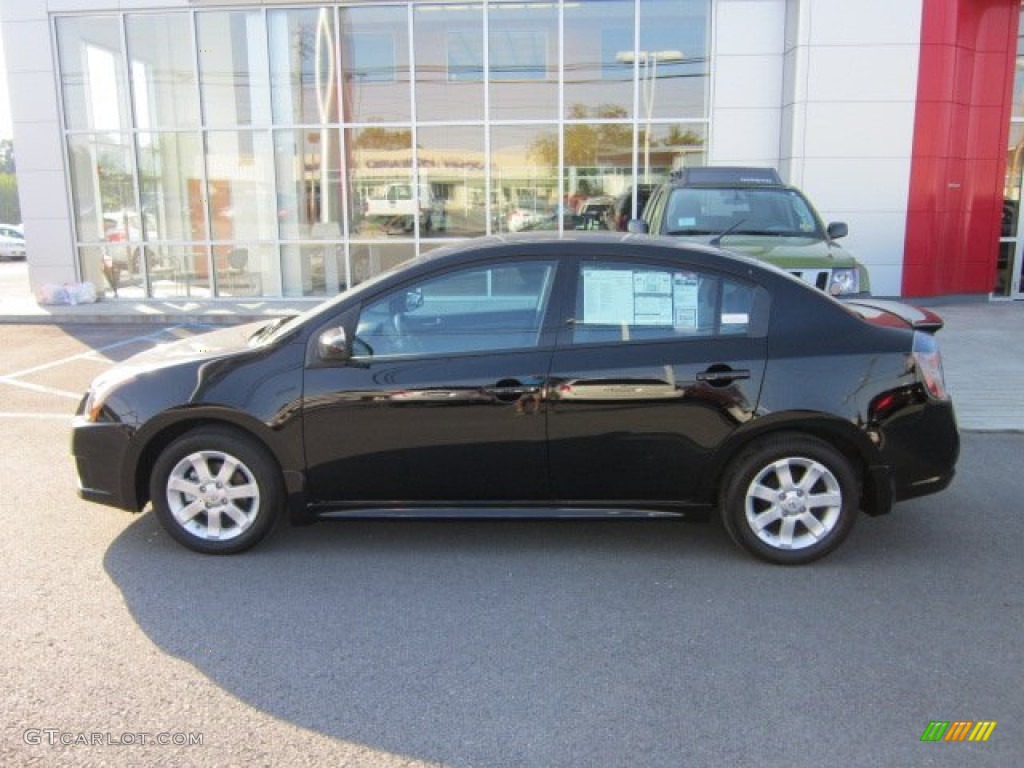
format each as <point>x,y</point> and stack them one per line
<point>929,364</point>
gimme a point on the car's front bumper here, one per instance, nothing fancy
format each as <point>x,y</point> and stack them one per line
<point>100,450</point>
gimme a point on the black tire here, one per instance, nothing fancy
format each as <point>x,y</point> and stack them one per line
<point>790,499</point>
<point>211,505</point>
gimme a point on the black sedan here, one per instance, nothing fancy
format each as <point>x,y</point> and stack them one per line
<point>584,374</point>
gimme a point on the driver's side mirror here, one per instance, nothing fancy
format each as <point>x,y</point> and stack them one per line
<point>837,229</point>
<point>332,345</point>
<point>637,227</point>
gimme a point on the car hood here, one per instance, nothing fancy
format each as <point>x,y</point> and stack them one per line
<point>204,345</point>
<point>786,252</point>
<point>183,353</point>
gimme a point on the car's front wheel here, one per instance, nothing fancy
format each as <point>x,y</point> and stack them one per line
<point>216,491</point>
<point>790,499</point>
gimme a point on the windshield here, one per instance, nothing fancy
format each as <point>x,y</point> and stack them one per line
<point>774,211</point>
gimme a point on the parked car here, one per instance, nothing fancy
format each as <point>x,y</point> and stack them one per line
<point>570,220</point>
<point>750,210</point>
<point>596,210</point>
<point>581,374</point>
<point>550,222</point>
<point>12,230</point>
<point>396,206</point>
<point>522,217</point>
<point>12,242</point>
<point>618,217</point>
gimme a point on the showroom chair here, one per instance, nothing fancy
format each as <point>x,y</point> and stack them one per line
<point>237,276</point>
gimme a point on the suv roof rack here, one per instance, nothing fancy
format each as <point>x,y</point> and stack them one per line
<point>724,174</point>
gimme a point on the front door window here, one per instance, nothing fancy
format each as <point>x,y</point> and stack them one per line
<point>477,309</point>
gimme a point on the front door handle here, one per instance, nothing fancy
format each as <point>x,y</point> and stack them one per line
<point>510,390</point>
<point>720,375</point>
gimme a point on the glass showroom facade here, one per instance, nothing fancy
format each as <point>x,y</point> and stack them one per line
<point>1010,265</point>
<point>292,151</point>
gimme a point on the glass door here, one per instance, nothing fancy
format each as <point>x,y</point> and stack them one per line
<point>1010,268</point>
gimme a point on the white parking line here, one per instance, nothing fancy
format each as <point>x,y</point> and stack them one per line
<point>16,415</point>
<point>93,355</point>
<point>41,388</point>
<point>83,355</point>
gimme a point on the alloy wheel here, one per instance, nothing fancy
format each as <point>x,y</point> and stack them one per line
<point>793,503</point>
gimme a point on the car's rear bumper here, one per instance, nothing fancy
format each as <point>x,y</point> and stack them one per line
<point>922,446</point>
<point>99,450</point>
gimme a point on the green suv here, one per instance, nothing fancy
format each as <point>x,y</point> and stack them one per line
<point>754,213</point>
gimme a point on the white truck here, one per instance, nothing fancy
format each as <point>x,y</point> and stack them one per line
<point>397,207</point>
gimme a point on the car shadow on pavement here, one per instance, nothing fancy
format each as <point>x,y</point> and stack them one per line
<point>594,642</point>
<point>419,637</point>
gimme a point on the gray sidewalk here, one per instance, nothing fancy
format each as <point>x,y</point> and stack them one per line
<point>982,343</point>
<point>983,355</point>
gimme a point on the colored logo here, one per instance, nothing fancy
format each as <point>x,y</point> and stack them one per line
<point>958,730</point>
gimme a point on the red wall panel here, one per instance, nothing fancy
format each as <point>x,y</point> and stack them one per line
<point>964,103</point>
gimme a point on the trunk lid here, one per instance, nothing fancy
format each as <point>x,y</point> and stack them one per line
<point>883,312</point>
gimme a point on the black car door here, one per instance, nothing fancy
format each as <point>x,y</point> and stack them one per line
<point>657,365</point>
<point>441,399</point>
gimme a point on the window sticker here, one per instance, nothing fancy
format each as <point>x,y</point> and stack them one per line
<point>653,310</point>
<point>735,318</point>
<point>685,297</point>
<point>652,297</point>
<point>643,298</point>
<point>608,296</point>
<point>652,282</point>
<point>686,221</point>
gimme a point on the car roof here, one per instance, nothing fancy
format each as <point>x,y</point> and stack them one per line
<point>726,176</point>
<point>580,240</point>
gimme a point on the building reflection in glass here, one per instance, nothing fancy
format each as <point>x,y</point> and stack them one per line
<point>297,151</point>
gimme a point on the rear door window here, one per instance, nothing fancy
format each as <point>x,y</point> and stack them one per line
<point>624,302</point>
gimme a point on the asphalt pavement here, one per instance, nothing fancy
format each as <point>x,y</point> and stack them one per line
<point>982,342</point>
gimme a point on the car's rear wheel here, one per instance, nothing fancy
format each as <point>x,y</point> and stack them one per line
<point>216,491</point>
<point>790,499</point>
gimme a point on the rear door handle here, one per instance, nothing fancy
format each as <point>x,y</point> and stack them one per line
<point>722,374</point>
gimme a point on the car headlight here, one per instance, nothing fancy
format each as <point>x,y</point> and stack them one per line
<point>94,404</point>
<point>844,281</point>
